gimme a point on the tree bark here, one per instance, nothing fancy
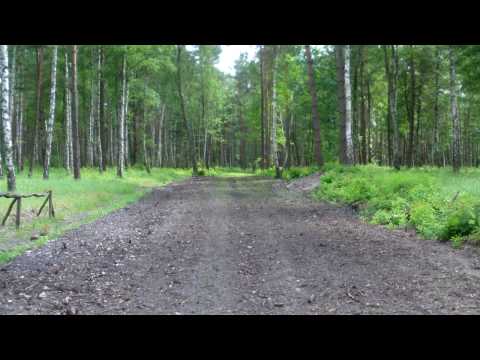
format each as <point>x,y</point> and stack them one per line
<point>76,139</point>
<point>391,69</point>
<point>91,122</point>
<point>411,110</point>
<point>363,106</point>
<point>6,120</point>
<point>262,111</point>
<point>99,113</point>
<point>344,91</point>
<point>102,126</point>
<point>51,116</point>
<point>68,118</point>
<point>39,113</point>
<point>456,156</point>
<point>121,121</point>
<point>315,117</point>
<point>187,123</point>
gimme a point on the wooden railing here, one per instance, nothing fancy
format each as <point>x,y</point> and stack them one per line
<point>17,198</point>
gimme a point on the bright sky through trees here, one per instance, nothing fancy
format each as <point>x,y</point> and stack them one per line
<point>231,53</point>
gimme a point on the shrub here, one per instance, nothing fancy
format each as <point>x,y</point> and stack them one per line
<point>461,221</point>
<point>422,198</point>
<point>457,241</point>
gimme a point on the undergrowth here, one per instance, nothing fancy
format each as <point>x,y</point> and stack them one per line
<point>437,203</point>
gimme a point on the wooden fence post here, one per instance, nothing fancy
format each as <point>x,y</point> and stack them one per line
<point>19,207</point>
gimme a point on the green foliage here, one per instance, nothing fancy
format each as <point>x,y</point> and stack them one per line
<point>457,241</point>
<point>75,202</point>
<point>437,203</point>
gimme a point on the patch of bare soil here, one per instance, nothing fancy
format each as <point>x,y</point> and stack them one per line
<point>234,246</point>
<point>305,184</point>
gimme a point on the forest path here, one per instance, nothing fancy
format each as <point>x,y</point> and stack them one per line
<point>239,246</point>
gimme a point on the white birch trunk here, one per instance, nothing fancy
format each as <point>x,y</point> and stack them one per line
<point>125,126</point>
<point>121,131</point>
<point>51,115</point>
<point>68,120</point>
<point>348,107</point>
<point>12,85</point>
<point>275,119</point>
<point>6,120</point>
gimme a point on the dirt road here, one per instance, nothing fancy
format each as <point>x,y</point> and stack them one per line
<point>239,246</point>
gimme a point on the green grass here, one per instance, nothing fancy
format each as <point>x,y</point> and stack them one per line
<point>227,172</point>
<point>75,202</point>
<point>436,202</point>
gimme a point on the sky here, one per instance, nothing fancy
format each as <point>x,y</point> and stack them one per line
<point>230,54</point>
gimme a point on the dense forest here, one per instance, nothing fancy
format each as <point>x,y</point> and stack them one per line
<point>102,106</point>
<point>173,186</point>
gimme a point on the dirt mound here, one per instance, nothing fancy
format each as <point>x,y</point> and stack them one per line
<point>306,184</point>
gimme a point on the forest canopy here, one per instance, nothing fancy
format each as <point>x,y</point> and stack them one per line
<point>102,106</point>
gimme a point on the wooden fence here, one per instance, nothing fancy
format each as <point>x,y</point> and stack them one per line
<point>17,198</point>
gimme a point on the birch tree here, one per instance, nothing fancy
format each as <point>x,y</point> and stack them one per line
<point>344,103</point>
<point>188,125</point>
<point>68,158</point>
<point>51,114</point>
<point>121,121</point>
<point>275,116</point>
<point>6,120</point>
<point>76,139</point>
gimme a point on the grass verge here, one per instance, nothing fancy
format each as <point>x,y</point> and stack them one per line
<point>435,202</point>
<point>75,202</point>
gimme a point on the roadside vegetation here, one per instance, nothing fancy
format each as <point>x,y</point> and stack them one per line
<point>435,202</point>
<point>75,202</point>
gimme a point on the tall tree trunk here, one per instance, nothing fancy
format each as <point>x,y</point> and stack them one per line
<point>315,117</point>
<point>121,121</point>
<point>51,116</point>
<point>160,136</point>
<point>127,156</point>
<point>456,157</point>
<point>68,118</point>
<point>76,139</point>
<point>391,68</point>
<point>344,91</point>
<point>6,120</point>
<point>263,107</point>
<point>11,100</point>
<point>102,122</point>
<point>276,161</point>
<point>411,110</point>
<point>187,123</point>
<point>99,113</point>
<point>436,116</point>
<point>91,121</point>
<point>39,113</point>
<point>363,105</point>
<point>19,132</point>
